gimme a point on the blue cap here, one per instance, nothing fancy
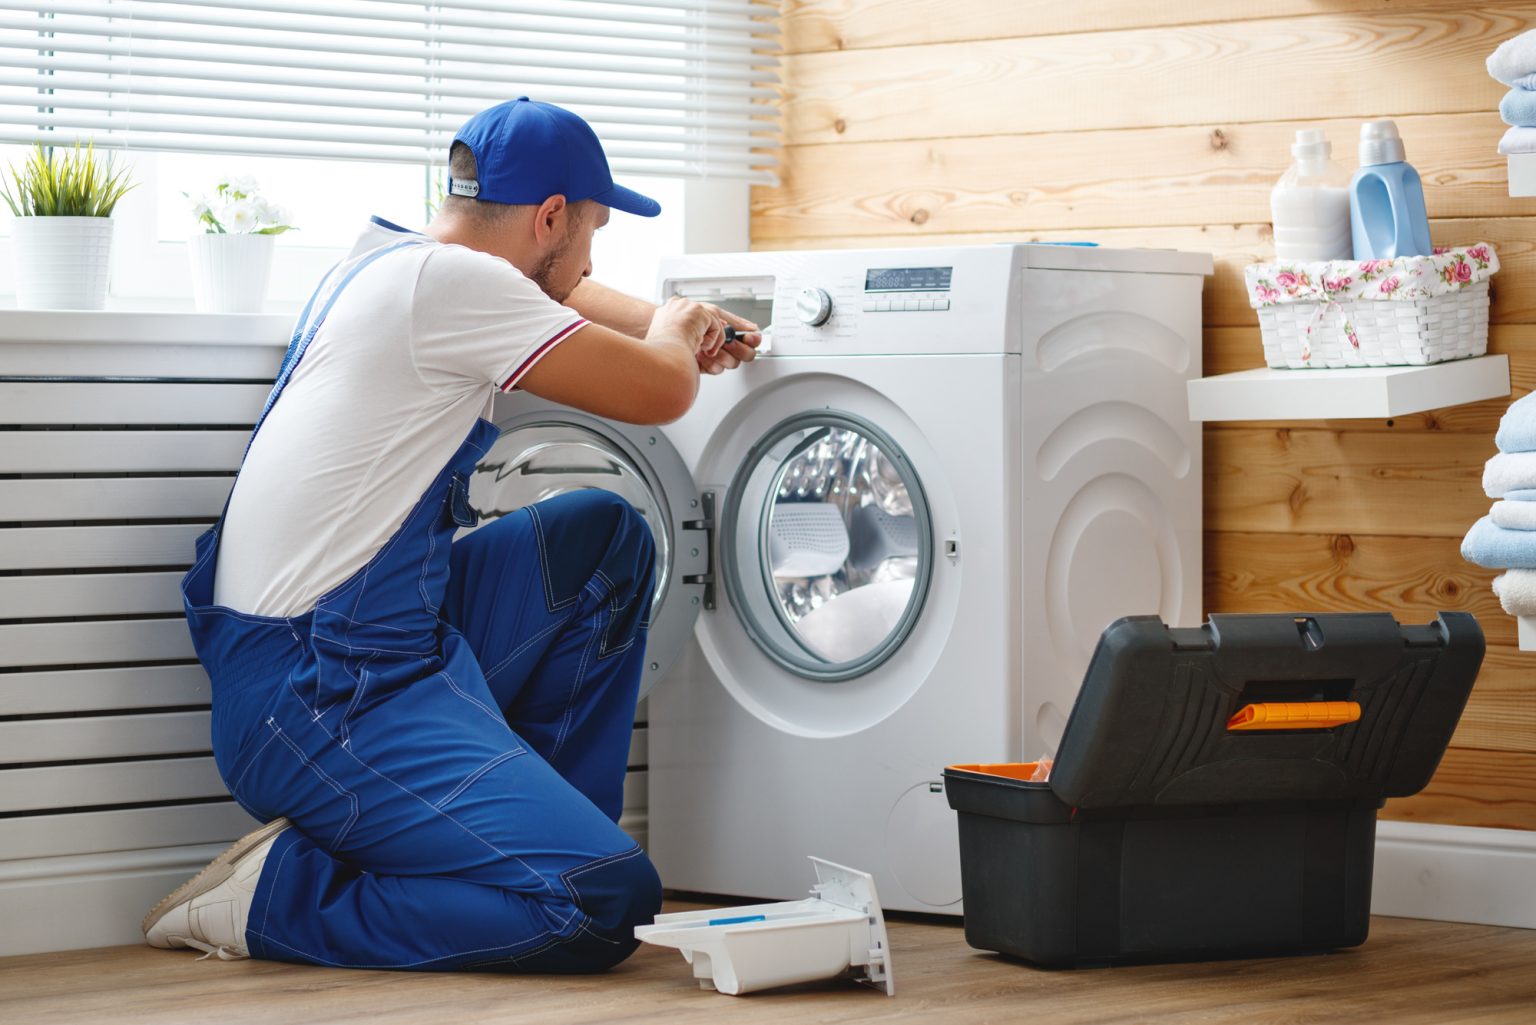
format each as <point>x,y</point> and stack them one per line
<point>526,151</point>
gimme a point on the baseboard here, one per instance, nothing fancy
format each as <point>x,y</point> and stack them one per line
<point>1455,874</point>
<point>88,900</point>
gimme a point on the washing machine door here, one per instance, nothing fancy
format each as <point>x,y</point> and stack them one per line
<point>547,449</point>
<point>827,545</point>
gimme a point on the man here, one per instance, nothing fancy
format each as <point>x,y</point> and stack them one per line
<point>439,729</point>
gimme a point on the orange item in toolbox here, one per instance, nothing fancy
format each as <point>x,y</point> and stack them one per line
<point>1295,715</point>
<point>1008,770</point>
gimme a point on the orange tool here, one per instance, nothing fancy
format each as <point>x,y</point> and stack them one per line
<point>1295,715</point>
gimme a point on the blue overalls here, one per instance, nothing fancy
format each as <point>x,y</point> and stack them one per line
<point>448,730</point>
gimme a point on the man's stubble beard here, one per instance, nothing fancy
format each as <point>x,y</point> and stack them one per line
<point>543,274</point>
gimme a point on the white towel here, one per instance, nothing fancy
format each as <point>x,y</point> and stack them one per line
<point>1509,471</point>
<point>1516,589</point>
<point>1518,139</point>
<point>1514,515</point>
<point>1514,59</point>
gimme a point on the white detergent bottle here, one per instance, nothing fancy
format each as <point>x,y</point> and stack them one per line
<point>1310,204</point>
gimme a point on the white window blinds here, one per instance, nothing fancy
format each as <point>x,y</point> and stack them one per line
<point>674,87</point>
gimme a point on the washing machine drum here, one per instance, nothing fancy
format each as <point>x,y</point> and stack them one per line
<point>827,545</point>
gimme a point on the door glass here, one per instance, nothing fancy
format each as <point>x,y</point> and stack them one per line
<point>541,460</point>
<point>829,519</point>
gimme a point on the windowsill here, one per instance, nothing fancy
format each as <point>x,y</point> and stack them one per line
<point>157,304</point>
<point>144,325</point>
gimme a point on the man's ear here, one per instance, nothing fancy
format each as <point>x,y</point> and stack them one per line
<point>549,222</point>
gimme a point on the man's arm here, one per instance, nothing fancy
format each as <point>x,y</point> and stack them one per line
<point>612,308</point>
<point>650,381</point>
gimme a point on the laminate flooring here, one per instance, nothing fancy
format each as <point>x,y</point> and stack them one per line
<point>1408,972</point>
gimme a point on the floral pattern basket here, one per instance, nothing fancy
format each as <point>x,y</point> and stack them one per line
<point>1374,313</point>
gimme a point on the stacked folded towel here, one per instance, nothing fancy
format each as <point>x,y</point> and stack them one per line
<point>1506,538</point>
<point>1514,64</point>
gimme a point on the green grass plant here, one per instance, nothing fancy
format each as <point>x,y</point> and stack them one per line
<point>65,183</point>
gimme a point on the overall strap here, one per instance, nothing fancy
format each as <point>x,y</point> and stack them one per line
<point>304,330</point>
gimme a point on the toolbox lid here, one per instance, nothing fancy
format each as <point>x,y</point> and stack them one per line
<point>1265,708</point>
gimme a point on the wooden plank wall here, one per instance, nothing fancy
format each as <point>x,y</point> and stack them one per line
<point>1139,124</point>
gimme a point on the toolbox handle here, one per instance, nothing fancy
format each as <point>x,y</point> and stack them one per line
<point>1294,715</point>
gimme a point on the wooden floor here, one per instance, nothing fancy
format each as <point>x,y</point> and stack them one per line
<point>1408,972</point>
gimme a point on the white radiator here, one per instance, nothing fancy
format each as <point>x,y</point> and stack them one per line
<point>119,437</point>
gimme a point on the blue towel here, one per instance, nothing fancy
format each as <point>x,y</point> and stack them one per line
<point>1527,495</point>
<point>1517,427</point>
<point>1487,544</point>
<point>1518,107</point>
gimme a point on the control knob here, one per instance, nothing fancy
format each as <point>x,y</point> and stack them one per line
<point>813,306</point>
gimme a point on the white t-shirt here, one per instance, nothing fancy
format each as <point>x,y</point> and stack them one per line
<point>407,360</point>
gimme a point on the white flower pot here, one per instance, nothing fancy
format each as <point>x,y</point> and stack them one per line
<point>62,262</point>
<point>229,272</point>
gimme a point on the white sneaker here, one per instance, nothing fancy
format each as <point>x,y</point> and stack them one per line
<point>208,912</point>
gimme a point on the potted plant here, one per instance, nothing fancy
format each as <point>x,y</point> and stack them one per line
<point>63,203</point>
<point>232,258</point>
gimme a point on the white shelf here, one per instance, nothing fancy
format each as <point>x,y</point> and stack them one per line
<point>1527,626</point>
<point>1347,393</point>
<point>1522,174</point>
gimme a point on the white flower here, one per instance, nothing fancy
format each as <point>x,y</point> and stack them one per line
<point>235,207</point>
<point>240,216</point>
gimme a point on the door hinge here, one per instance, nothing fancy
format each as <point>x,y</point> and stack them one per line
<point>707,525</point>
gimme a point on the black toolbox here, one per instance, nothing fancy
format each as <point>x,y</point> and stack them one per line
<point>1215,791</point>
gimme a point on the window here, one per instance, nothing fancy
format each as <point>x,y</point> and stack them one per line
<point>344,108</point>
<point>327,199</point>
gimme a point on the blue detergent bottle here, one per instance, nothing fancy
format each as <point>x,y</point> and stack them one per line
<point>1386,198</point>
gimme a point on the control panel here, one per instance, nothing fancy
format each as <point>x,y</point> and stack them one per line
<point>907,289</point>
<point>841,302</point>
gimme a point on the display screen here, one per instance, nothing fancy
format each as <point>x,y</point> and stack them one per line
<point>907,279</point>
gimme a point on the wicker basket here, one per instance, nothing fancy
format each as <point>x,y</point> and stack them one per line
<point>1408,311</point>
<point>1433,330</point>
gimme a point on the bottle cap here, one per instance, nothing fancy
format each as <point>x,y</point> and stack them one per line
<point>1311,145</point>
<point>1380,143</point>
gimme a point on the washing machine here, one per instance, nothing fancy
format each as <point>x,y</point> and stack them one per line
<point>890,543</point>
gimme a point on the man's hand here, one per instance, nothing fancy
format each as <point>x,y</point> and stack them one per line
<point>730,355</point>
<point>682,321</point>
